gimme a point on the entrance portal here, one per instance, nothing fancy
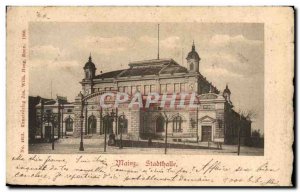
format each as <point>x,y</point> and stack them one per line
<point>206,133</point>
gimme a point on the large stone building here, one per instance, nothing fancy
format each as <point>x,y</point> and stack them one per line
<point>213,120</point>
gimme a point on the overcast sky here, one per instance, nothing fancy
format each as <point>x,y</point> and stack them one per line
<point>230,53</point>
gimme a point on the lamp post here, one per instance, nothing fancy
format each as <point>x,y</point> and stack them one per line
<point>58,119</point>
<point>62,121</point>
<point>105,119</point>
<point>42,117</point>
<point>81,128</point>
<point>121,124</point>
<point>197,125</point>
<point>239,135</point>
<point>166,132</point>
<point>52,137</point>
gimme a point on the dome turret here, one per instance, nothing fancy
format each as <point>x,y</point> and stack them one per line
<point>193,59</point>
<point>89,69</point>
<point>89,64</point>
<point>193,54</point>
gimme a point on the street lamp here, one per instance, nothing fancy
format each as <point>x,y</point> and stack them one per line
<point>55,121</point>
<point>62,121</point>
<point>239,135</point>
<point>105,119</point>
<point>81,129</point>
<point>166,132</point>
<point>197,124</point>
<point>121,124</point>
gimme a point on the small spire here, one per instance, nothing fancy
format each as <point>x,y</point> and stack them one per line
<point>90,57</point>
<point>193,46</point>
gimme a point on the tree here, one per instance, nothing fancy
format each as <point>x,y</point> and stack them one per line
<point>250,114</point>
<point>256,133</point>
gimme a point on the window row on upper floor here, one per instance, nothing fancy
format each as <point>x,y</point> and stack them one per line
<point>145,89</point>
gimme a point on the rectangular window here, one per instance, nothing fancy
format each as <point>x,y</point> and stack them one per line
<point>138,88</point>
<point>69,110</point>
<point>170,88</point>
<point>152,88</point>
<point>177,87</point>
<point>133,90</point>
<point>146,89</point>
<point>163,88</point>
<point>129,90</point>
<point>182,85</point>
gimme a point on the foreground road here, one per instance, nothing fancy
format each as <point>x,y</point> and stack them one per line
<point>97,147</point>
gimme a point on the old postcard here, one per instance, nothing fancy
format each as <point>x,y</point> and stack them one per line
<point>150,96</point>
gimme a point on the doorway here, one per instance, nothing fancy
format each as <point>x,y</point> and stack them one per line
<point>206,133</point>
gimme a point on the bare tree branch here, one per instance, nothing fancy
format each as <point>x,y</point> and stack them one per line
<point>249,114</point>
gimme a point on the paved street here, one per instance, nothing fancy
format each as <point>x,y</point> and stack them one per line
<point>96,146</point>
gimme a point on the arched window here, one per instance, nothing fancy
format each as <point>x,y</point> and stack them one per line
<point>69,124</point>
<point>191,66</point>
<point>92,124</point>
<point>177,122</point>
<point>160,124</point>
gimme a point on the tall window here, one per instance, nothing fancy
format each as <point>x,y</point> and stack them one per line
<point>146,89</point>
<point>152,88</point>
<point>170,88</point>
<point>92,124</point>
<point>191,66</point>
<point>126,89</point>
<point>160,123</point>
<point>182,87</point>
<point>138,88</point>
<point>133,90</point>
<point>177,121</point>
<point>177,87</point>
<point>69,124</point>
<point>163,88</point>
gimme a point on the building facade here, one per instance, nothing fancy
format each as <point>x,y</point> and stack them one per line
<point>213,120</point>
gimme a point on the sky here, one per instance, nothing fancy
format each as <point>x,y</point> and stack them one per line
<point>231,53</point>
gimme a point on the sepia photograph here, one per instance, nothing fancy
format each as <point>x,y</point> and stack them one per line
<point>150,96</point>
<point>147,74</point>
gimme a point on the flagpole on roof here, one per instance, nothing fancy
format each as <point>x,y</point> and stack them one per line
<point>51,89</point>
<point>158,41</point>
